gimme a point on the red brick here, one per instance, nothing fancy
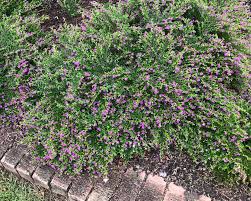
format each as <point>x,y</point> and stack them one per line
<point>104,190</point>
<point>43,175</point>
<point>80,188</point>
<point>26,167</point>
<point>12,158</point>
<point>204,198</point>
<point>129,186</point>
<point>156,182</point>
<point>153,189</point>
<point>175,193</point>
<point>60,184</point>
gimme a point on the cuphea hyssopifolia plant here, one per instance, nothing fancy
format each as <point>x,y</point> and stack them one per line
<point>135,76</point>
<point>21,40</point>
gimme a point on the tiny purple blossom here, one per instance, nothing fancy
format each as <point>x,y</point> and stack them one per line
<point>26,71</point>
<point>87,74</point>
<point>177,70</point>
<point>226,54</point>
<point>76,64</point>
<point>22,63</point>
<point>158,123</point>
<point>142,125</point>
<point>94,87</point>
<point>83,27</point>
<point>167,27</point>
<point>233,139</point>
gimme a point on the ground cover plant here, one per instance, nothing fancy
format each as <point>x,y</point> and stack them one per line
<point>22,40</point>
<point>135,76</point>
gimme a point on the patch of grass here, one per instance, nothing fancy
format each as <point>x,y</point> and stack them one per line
<point>11,189</point>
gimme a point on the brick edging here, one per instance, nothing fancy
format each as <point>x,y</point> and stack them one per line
<point>121,186</point>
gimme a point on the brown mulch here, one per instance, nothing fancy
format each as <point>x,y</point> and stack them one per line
<point>8,136</point>
<point>195,178</point>
<point>57,15</point>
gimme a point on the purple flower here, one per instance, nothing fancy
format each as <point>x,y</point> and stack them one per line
<point>78,147</point>
<point>233,139</point>
<point>167,27</point>
<point>135,104</point>
<point>94,87</point>
<point>82,132</point>
<point>105,113</point>
<point>76,64</point>
<point>26,71</point>
<point>155,91</point>
<point>177,70</point>
<point>22,63</point>
<point>38,158</point>
<point>226,54</point>
<point>47,157</point>
<point>142,125</point>
<point>67,151</point>
<point>73,155</point>
<point>87,74</point>
<point>178,92</point>
<point>180,108</point>
<point>83,27</point>
<point>22,89</point>
<point>158,123</point>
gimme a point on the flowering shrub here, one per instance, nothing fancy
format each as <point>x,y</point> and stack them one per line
<point>21,41</point>
<point>144,74</point>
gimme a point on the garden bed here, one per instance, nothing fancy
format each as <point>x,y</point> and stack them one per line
<point>111,83</point>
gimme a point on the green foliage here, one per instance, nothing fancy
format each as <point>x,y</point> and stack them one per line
<point>135,76</point>
<point>13,190</point>
<point>10,7</point>
<point>142,75</point>
<point>71,6</point>
<point>21,40</point>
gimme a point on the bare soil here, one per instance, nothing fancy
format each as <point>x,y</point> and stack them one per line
<point>195,178</point>
<point>58,16</point>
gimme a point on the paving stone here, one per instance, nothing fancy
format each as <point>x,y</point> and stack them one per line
<point>26,167</point>
<point>12,158</point>
<point>3,150</point>
<point>191,196</point>
<point>204,198</point>
<point>60,184</point>
<point>104,191</point>
<point>129,186</point>
<point>80,188</point>
<point>43,175</point>
<point>175,193</point>
<point>153,189</point>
